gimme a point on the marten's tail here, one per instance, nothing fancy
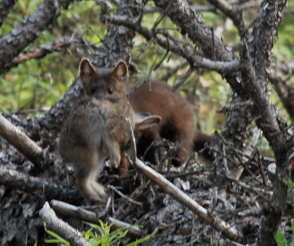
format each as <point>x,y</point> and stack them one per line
<point>201,143</point>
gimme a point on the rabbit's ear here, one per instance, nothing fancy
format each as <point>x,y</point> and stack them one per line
<point>120,70</point>
<point>87,72</point>
<point>144,121</point>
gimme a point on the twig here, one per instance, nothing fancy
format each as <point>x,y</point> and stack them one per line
<point>183,79</point>
<point>21,141</point>
<point>61,227</point>
<point>125,197</point>
<point>173,71</point>
<point>44,50</point>
<point>71,210</point>
<point>234,13</point>
<point>194,60</point>
<point>228,230</point>
<point>260,192</point>
<point>284,90</point>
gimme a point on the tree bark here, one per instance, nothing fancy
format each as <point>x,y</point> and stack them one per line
<point>20,37</point>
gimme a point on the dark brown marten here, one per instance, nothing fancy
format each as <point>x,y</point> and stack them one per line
<point>177,120</point>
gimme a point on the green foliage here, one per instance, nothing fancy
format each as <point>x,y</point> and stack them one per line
<point>281,237</point>
<point>213,243</point>
<point>99,235</point>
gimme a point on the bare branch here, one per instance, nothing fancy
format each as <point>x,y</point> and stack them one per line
<point>125,197</point>
<point>202,8</point>
<point>78,212</point>
<point>285,92</point>
<point>173,71</point>
<point>21,141</point>
<point>44,50</point>
<point>220,225</point>
<point>12,44</point>
<point>190,23</point>
<point>182,79</point>
<point>195,61</point>
<point>234,13</point>
<point>61,227</point>
<point>181,13</point>
<point>83,214</point>
<point>256,60</point>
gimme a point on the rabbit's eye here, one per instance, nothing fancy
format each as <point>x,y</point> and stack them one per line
<point>110,90</point>
<point>93,90</point>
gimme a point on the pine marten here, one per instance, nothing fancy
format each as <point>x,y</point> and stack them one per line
<point>177,120</point>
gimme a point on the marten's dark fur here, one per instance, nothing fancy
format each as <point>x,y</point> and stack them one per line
<point>177,119</point>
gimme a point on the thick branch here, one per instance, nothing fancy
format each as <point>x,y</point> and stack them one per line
<point>12,44</point>
<point>182,14</point>
<point>263,36</point>
<point>21,141</point>
<point>256,59</point>
<point>61,227</point>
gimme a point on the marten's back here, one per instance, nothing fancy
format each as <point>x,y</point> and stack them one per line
<point>159,99</point>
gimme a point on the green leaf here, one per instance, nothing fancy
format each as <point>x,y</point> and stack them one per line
<point>281,239</point>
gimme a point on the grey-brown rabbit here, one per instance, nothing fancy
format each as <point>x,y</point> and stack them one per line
<point>99,127</point>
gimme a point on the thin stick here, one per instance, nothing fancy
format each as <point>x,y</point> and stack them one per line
<point>125,197</point>
<point>228,230</point>
<point>61,227</point>
<point>83,214</point>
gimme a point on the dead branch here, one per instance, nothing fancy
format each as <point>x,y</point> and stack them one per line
<point>285,92</point>
<point>191,23</point>
<point>220,225</point>
<point>61,227</point>
<point>256,59</point>
<point>195,60</point>
<point>81,213</point>
<point>232,12</point>
<point>182,79</point>
<point>202,8</point>
<point>258,191</point>
<point>173,71</point>
<point>14,42</point>
<point>74,211</point>
<point>124,196</point>
<point>21,141</point>
<point>39,186</point>
<point>45,49</point>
